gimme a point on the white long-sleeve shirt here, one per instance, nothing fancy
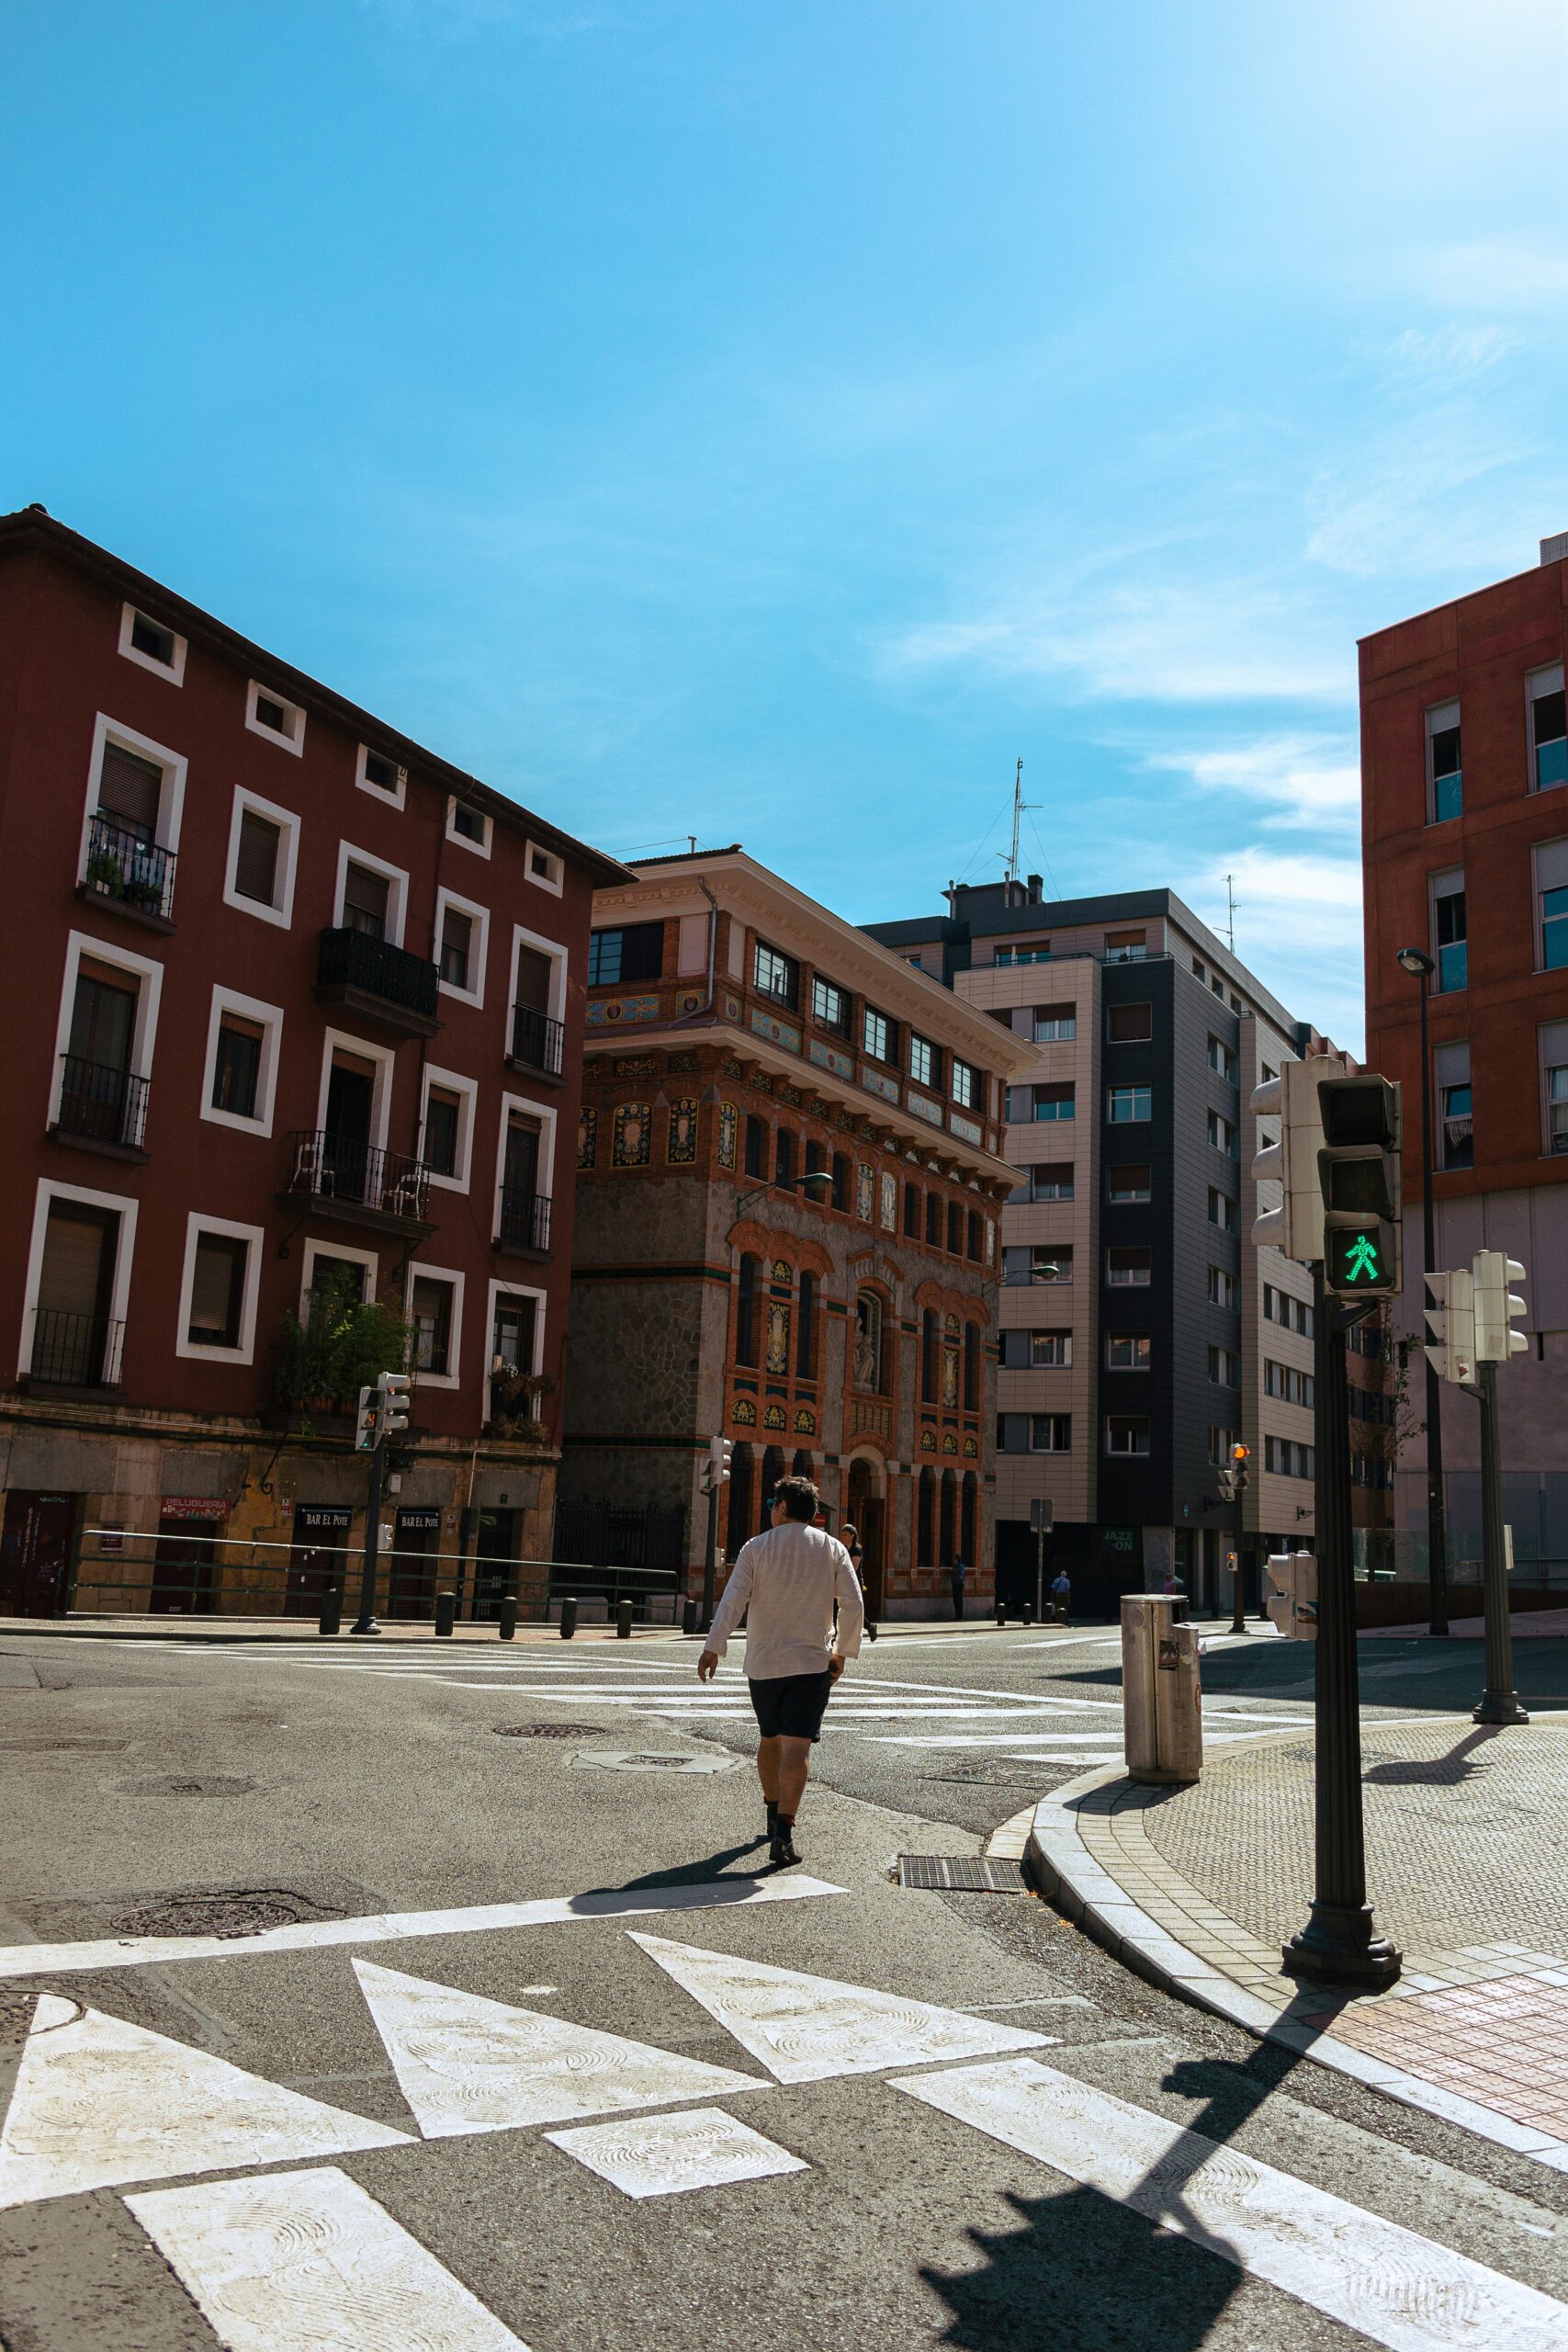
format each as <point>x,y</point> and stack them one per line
<point>789,1579</point>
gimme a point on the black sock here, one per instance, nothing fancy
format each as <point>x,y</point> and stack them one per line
<point>785,1822</point>
<point>772,1804</point>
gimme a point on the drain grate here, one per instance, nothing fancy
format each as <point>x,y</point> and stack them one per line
<point>961,1874</point>
<point>549,1731</point>
<point>243,1912</point>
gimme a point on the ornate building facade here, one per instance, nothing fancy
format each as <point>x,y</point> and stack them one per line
<point>790,1177</point>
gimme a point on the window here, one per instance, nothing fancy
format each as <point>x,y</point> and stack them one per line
<point>1216,987</point>
<point>1125,946</point>
<point>1049,1102</point>
<point>928,1355</point>
<point>1126,1433</point>
<point>1220,1444</point>
<point>1224,1367</point>
<point>1456,1139</point>
<point>840,1194</point>
<point>130,791</point>
<point>1127,1269</point>
<point>1050,1433</point>
<point>1549,730</point>
<point>370,899</point>
<point>1221,1058</point>
<point>1290,1386</point>
<point>442,1124</point>
<point>1286,1459</point>
<point>1370,1470</point>
<point>263,847</point>
<point>1128,1181</point>
<point>1445,783</point>
<point>546,870</point>
<point>972,1235</point>
<point>1034,1262</point>
<point>830,1005</point>
<point>152,645</point>
<point>970,1368</point>
<point>954,1229</point>
<point>256,867</point>
<point>1051,1351</point>
<point>236,1066</point>
<point>461,932</point>
<point>1290,1314</point>
<point>775,974</point>
<point>241,1062</point>
<point>1127,1351</point>
<point>806,1328</point>
<point>457,946</point>
<point>756,1157</point>
<point>1552,892</point>
<point>1222,1135</point>
<point>218,1288</point>
<point>878,1035</point>
<point>1056,1023</point>
<point>1040,953</point>
<point>281,722</point>
<point>1129,1024</point>
<point>965,1086</point>
<point>925,1062</point>
<point>1222,1210</point>
<point>469,825</point>
<point>745,1311</point>
<point>382,777</point>
<point>1554,1084</point>
<point>871,1350</point>
<point>617,958</point>
<point>912,1213</point>
<point>1051,1182</point>
<point>784,1156</point>
<point>1198,967</point>
<point>1448,946</point>
<point>1372,1405</point>
<point>933,1221</point>
<point>1127,1104</point>
<point>1222,1287</point>
<point>431,1314</point>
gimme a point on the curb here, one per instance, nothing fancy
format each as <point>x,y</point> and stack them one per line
<point>1059,1866</point>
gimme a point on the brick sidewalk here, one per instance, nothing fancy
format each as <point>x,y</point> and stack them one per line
<point>1466,1870</point>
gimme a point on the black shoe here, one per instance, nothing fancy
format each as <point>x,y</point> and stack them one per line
<point>781,1852</point>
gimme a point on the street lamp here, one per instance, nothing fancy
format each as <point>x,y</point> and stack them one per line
<point>1420,966</point>
<point>784,1184</point>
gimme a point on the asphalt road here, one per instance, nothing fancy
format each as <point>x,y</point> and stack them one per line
<point>366,2163</point>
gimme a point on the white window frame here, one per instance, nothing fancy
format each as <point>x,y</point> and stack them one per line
<point>467,1090</point>
<point>1538,684</point>
<point>320,1248</point>
<point>173,672</point>
<point>125,1207</point>
<point>479,957</point>
<point>197,1222</point>
<point>452,1275</point>
<point>554,878</point>
<point>398,795</point>
<point>546,1115</point>
<point>398,895</point>
<point>295,740</point>
<point>171,799</point>
<point>1552,1053</point>
<point>541,946</point>
<point>479,848</point>
<point>1134,1118</point>
<point>385,1059</point>
<point>270,1016</point>
<point>500,1290</point>
<point>288,823</point>
<point>1438,719</point>
<point>149,979</point>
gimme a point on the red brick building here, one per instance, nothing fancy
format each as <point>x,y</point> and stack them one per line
<point>297,1011</point>
<point>1465,841</point>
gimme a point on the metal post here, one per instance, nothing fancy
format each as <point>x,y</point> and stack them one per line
<point>710,1563</point>
<point>1436,1534</point>
<point>1238,1586</point>
<point>1040,1576</point>
<point>1500,1701</point>
<point>366,1621</point>
<point>1339,1944</point>
<point>446,1614</point>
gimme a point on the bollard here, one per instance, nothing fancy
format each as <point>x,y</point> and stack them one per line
<point>1002,1612</point>
<point>446,1614</point>
<point>1028,1612</point>
<point>507,1624</point>
<point>568,1620</point>
<point>332,1612</point>
<point>623,1620</point>
<point>689,1617</point>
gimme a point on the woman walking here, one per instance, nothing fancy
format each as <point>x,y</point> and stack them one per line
<point>854,1546</point>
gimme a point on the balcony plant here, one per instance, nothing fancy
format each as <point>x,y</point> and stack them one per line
<point>341,1345</point>
<point>514,1403</point>
<point>106,873</point>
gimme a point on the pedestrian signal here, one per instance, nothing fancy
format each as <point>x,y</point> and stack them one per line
<point>1451,1326</point>
<point>1360,1261</point>
<point>1296,1225</point>
<point>1496,1308</point>
<point>392,1404</point>
<point>1360,1171</point>
<point>364,1421</point>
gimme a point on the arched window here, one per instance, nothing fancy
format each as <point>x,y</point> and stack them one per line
<point>925,1521</point>
<point>773,1471</point>
<point>975,1236</point>
<point>928,1357</point>
<point>738,1526</point>
<point>815,1165</point>
<point>801,1467</point>
<point>947,1534</point>
<point>955,1228</point>
<point>969,1520</point>
<point>933,1221</point>
<point>784,1156</point>
<point>871,1342</point>
<point>746,1312</point>
<point>806,1328</point>
<point>911,1212</point>
<point>840,1194</point>
<point>971,1367</point>
<point>757,1148</point>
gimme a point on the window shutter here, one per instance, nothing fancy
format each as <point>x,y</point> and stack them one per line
<point>534,973</point>
<point>367,894</point>
<point>255,860</point>
<point>215,1289</point>
<point>129,789</point>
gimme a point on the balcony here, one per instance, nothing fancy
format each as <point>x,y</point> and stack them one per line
<point>379,982</point>
<point>525,1223</point>
<point>101,1109</point>
<point>538,1042</point>
<point>74,1351</point>
<point>354,1183</point>
<point>128,874</point>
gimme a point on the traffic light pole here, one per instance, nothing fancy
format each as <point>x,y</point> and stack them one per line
<point>1238,1585</point>
<point>710,1563</point>
<point>1436,1534</point>
<point>366,1621</point>
<point>1500,1701</point>
<point>1339,1944</point>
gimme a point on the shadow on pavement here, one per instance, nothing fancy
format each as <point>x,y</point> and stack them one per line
<point>708,1872</point>
<point>1416,1676</point>
<point>1446,1771</point>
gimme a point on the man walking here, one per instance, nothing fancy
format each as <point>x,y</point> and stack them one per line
<point>788,1581</point>
<point>956,1576</point>
<point>1062,1595</point>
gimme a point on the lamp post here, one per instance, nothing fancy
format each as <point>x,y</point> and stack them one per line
<point>784,1185</point>
<point>1420,966</point>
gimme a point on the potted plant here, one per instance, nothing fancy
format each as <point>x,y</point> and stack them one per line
<point>341,1345</point>
<point>514,1403</point>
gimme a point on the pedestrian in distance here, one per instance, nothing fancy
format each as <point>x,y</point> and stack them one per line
<point>956,1576</point>
<point>787,1581</point>
<point>854,1546</point>
<point>1062,1596</point>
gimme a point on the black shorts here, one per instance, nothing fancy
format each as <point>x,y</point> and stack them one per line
<point>791,1706</point>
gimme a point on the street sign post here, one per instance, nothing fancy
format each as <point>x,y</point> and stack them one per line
<point>715,1472</point>
<point>1040,1514</point>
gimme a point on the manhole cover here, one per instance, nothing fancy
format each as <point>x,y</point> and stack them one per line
<point>607,1760</point>
<point>961,1874</point>
<point>240,1913</point>
<point>187,1785</point>
<point>548,1731</point>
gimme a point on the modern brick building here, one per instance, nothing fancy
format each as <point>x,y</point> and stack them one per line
<point>1464,752</point>
<point>740,1038</point>
<point>297,1011</point>
<point>1142,1334</point>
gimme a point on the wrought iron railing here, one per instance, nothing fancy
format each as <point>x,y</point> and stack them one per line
<point>525,1219</point>
<point>339,1168</point>
<point>123,866</point>
<point>101,1103</point>
<point>351,959</point>
<point>537,1041</point>
<point>76,1351</point>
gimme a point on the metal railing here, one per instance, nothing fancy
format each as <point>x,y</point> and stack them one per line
<point>101,1103</point>
<point>76,1351</point>
<point>525,1219</point>
<point>338,1168</point>
<point>537,1041</point>
<point>351,959</point>
<point>123,866</point>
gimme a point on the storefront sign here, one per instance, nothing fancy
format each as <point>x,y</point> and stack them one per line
<point>310,1520</point>
<point>192,1507</point>
<point>419,1522</point>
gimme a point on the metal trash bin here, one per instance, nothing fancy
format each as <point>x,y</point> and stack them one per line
<point>1161,1695</point>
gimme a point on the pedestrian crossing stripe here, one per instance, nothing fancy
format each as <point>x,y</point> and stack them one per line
<point>668,2155</point>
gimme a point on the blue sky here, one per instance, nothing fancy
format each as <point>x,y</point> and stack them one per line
<point>771,421</point>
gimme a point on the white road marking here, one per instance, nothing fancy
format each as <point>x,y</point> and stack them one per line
<point>308,2262</point>
<point>1398,2288</point>
<point>97,2101</point>
<point>807,2029</point>
<point>398,1926</point>
<point>663,2155</point>
<point>465,2064</point>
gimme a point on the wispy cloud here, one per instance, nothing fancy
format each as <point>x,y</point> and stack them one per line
<point>1493,274</point>
<point>1298,926</point>
<point>1301,781</point>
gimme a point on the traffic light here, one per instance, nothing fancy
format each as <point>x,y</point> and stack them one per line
<point>717,1470</point>
<point>1296,1226</point>
<point>1292,1604</point>
<point>1225,1481</point>
<point>392,1403</point>
<point>364,1421</point>
<point>1451,1326</point>
<point>1240,1456</point>
<point>1232,1476</point>
<point>1495,1306</point>
<point>1359,1168</point>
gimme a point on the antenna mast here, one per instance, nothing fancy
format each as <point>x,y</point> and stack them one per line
<point>1230,911</point>
<point>1019,807</point>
